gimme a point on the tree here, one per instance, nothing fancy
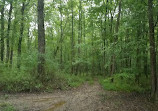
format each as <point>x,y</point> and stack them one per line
<point>2,31</point>
<point>72,37</point>
<point>41,39</point>
<point>113,66</point>
<point>61,34</point>
<point>152,51</point>
<point>8,32</point>
<point>21,33</point>
<point>14,33</point>
<point>79,35</point>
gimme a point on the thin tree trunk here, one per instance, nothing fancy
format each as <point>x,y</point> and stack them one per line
<point>102,46</point>
<point>92,43</point>
<point>79,34</point>
<point>80,27</point>
<point>105,32</point>
<point>152,51</point>
<point>2,31</point>
<point>126,42</point>
<point>21,34</point>
<point>28,39</point>
<point>8,32</point>
<point>61,35</point>
<point>145,57</point>
<point>41,40</point>
<point>113,59</point>
<point>138,62</point>
<point>14,32</point>
<point>72,39</point>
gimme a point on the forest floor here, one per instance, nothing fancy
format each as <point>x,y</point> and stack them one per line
<point>88,97</point>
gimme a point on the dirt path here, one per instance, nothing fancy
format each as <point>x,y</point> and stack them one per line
<point>85,98</point>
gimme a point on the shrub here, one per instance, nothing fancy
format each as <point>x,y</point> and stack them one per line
<point>125,82</point>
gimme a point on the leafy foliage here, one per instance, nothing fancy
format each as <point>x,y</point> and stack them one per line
<point>125,82</point>
<point>83,38</point>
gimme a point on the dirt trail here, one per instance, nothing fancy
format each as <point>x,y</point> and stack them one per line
<point>85,98</point>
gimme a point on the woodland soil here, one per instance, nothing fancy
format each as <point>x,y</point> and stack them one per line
<point>87,97</point>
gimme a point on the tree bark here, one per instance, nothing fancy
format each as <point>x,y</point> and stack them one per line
<point>2,31</point>
<point>105,32</point>
<point>21,34</point>
<point>79,35</point>
<point>14,32</point>
<point>8,33</point>
<point>113,59</point>
<point>138,59</point>
<point>61,35</point>
<point>72,38</point>
<point>28,39</point>
<point>41,39</point>
<point>152,51</point>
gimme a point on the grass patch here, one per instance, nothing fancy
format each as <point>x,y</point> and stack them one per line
<point>125,82</point>
<point>6,107</point>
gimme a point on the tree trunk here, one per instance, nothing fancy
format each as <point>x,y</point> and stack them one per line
<point>14,32</point>
<point>61,35</point>
<point>41,40</point>
<point>28,39</point>
<point>72,39</point>
<point>138,59</point>
<point>84,39</point>
<point>113,59</point>
<point>79,35</point>
<point>2,31</point>
<point>145,59</point>
<point>105,33</point>
<point>8,33</point>
<point>152,51</point>
<point>21,34</point>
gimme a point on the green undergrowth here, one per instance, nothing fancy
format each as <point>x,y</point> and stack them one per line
<point>125,82</point>
<point>6,107</point>
<point>76,80</point>
<point>26,78</point>
<point>21,81</point>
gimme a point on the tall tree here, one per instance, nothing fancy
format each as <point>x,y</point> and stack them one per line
<point>23,8</point>
<point>72,37</point>
<point>41,39</point>
<point>105,30</point>
<point>14,33</point>
<point>113,67</point>
<point>21,33</point>
<point>2,30</point>
<point>79,33</point>
<point>61,34</point>
<point>8,32</point>
<point>152,51</point>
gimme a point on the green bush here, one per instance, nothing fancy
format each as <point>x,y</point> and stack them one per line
<point>75,80</point>
<point>125,82</point>
<point>25,79</point>
<point>16,80</point>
